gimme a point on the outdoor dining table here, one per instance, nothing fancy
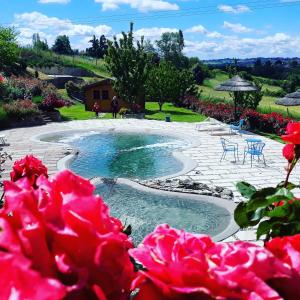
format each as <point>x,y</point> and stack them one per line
<point>253,140</point>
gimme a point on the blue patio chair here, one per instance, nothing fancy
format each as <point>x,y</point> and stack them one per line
<point>237,126</point>
<point>255,150</point>
<point>229,146</point>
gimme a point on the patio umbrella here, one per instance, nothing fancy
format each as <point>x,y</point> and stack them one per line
<point>292,99</point>
<point>237,86</point>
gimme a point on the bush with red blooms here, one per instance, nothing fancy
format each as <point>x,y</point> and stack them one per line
<point>21,109</point>
<point>60,237</point>
<point>179,265</point>
<point>224,112</point>
<point>52,102</point>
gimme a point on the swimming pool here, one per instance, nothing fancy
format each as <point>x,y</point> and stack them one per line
<point>126,155</point>
<point>144,210</point>
<point>110,156</point>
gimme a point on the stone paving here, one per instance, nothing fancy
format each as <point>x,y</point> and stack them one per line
<point>207,154</point>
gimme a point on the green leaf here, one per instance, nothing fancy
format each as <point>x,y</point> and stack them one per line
<point>281,194</point>
<point>258,215</point>
<point>263,228</point>
<point>240,215</point>
<point>290,186</point>
<point>246,189</point>
<point>280,211</point>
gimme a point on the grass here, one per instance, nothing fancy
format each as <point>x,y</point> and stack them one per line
<point>177,114</point>
<point>98,67</point>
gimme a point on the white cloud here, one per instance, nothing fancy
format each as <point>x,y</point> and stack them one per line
<point>279,44</point>
<point>239,9</point>
<point>153,33</point>
<point>49,27</point>
<point>197,29</point>
<point>141,5</point>
<point>202,30</point>
<point>236,27</point>
<point>54,1</point>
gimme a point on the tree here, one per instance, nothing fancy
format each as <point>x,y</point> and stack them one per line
<point>9,50</point>
<point>129,65</point>
<point>170,48</point>
<point>201,71</point>
<point>99,47</point>
<point>93,51</point>
<point>103,46</point>
<point>38,44</point>
<point>162,84</point>
<point>62,45</point>
<point>186,85</point>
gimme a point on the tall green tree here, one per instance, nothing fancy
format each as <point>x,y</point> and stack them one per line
<point>9,50</point>
<point>62,45</point>
<point>162,84</point>
<point>129,65</point>
<point>38,44</point>
<point>170,47</point>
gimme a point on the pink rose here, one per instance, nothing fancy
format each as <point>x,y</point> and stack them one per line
<point>29,167</point>
<point>180,265</point>
<point>68,235</point>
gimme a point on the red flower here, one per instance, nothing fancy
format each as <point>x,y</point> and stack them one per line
<point>287,249</point>
<point>179,265</point>
<point>292,133</point>
<point>17,280</point>
<point>289,152</point>
<point>29,167</point>
<point>1,79</point>
<point>67,235</point>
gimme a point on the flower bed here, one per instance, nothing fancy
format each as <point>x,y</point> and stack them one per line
<point>59,235</point>
<point>269,123</point>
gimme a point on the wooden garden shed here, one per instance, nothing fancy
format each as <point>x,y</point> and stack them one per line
<point>101,92</point>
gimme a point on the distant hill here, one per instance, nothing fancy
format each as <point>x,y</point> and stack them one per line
<point>249,62</point>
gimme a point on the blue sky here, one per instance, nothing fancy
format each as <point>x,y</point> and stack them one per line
<point>212,29</point>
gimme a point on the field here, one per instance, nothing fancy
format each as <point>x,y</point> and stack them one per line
<point>267,104</point>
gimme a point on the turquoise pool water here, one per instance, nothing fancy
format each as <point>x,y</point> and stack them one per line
<point>126,155</point>
<point>145,210</point>
<point>142,156</point>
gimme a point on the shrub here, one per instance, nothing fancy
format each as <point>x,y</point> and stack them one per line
<point>269,123</point>
<point>30,85</point>
<point>21,109</point>
<point>49,89</point>
<point>74,90</point>
<point>224,112</point>
<point>52,102</point>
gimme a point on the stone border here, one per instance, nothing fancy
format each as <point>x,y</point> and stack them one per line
<point>232,227</point>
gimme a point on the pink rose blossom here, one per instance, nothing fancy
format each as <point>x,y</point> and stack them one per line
<point>66,235</point>
<point>180,265</point>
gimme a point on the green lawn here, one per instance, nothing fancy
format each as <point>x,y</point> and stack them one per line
<point>77,112</point>
<point>177,114</point>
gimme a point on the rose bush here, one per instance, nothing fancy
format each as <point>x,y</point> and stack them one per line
<point>61,234</point>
